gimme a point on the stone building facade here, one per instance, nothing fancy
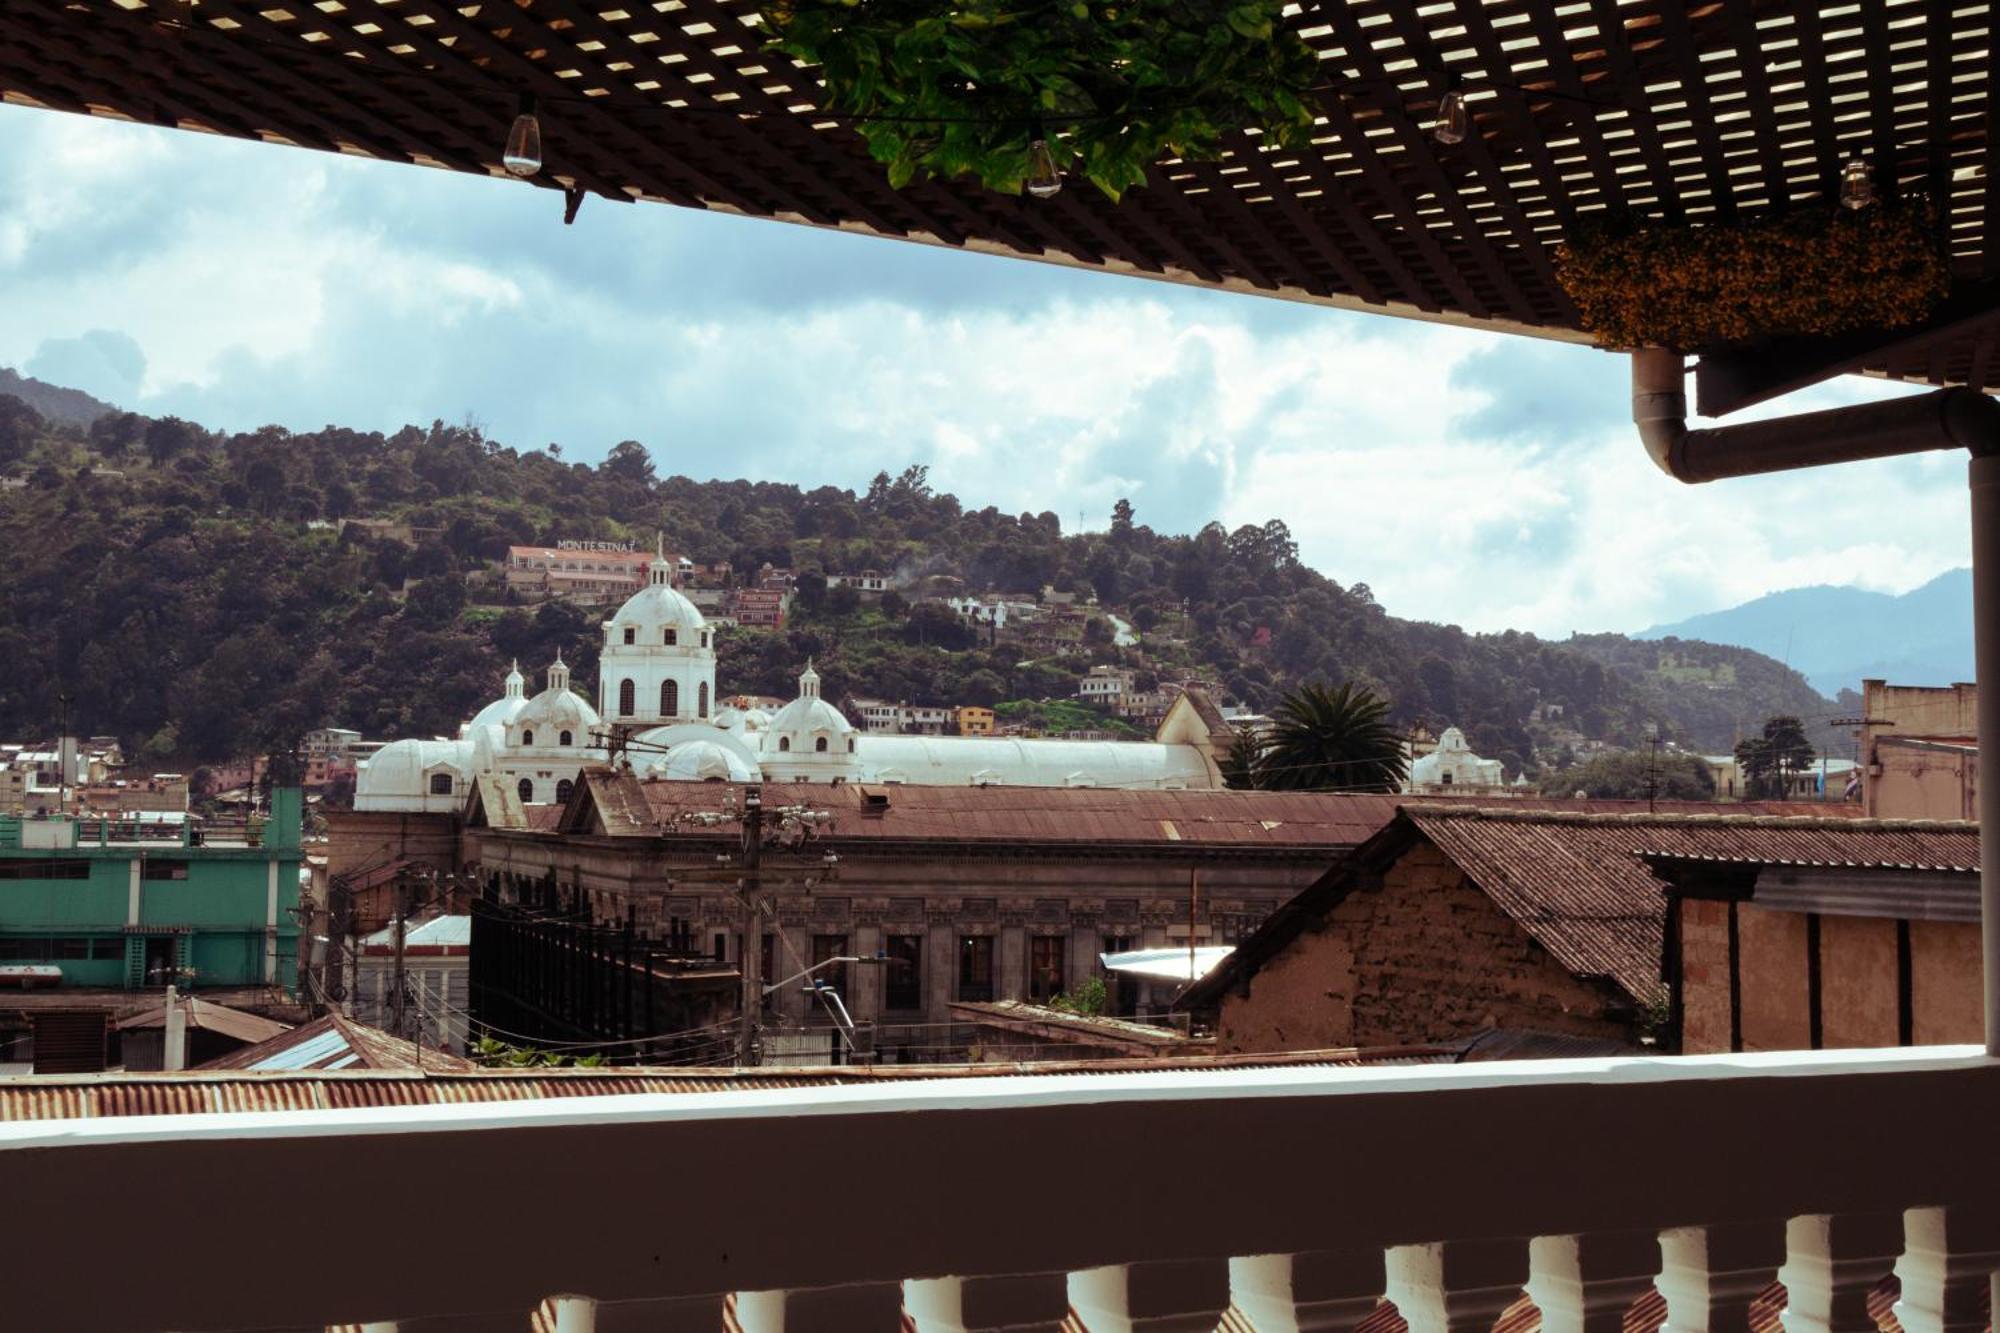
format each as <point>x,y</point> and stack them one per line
<point>973,895</point>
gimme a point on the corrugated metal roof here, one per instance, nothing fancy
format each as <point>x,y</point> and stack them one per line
<point>333,1042</point>
<point>1017,815</point>
<point>213,1088</point>
<point>200,1013</point>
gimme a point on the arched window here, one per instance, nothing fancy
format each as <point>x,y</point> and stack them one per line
<point>784,742</point>
<point>673,636</point>
<point>527,735</point>
<point>820,745</point>
<point>850,745</point>
<point>563,789</point>
<point>563,739</point>
<point>628,698</point>
<point>704,638</point>
<point>670,698</point>
<point>527,790</point>
<point>631,634</point>
<point>440,784</point>
<point>701,700</point>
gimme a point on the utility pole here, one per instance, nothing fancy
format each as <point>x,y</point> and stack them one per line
<point>753,935</point>
<point>402,930</point>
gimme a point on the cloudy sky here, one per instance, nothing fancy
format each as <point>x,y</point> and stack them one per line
<point>1486,481</point>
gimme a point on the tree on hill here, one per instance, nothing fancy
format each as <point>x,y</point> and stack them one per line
<point>1326,739</point>
<point>1771,760</point>
<point>1635,775</point>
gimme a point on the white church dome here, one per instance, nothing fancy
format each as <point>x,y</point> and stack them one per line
<point>705,761</point>
<point>656,607</point>
<point>808,725</point>
<point>503,710</point>
<point>555,710</point>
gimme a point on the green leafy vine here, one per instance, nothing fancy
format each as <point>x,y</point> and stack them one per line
<point>966,87</point>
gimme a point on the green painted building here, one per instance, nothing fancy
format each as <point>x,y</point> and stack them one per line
<point>118,913</point>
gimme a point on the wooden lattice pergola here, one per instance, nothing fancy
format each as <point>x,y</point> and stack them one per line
<point>1680,110</point>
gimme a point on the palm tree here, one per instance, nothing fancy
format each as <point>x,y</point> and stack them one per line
<point>1332,739</point>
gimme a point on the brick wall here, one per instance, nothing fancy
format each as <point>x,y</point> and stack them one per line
<point>1421,956</point>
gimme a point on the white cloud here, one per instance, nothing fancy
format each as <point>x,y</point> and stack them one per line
<point>1467,477</point>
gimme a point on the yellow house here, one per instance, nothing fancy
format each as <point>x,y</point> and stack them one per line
<point>975,721</point>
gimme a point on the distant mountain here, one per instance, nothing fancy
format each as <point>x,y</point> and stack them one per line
<point>69,407</point>
<point>1836,637</point>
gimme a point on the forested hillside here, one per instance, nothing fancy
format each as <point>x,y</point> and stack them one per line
<point>194,593</point>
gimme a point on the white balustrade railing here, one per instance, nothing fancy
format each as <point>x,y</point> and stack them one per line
<point>1268,1200</point>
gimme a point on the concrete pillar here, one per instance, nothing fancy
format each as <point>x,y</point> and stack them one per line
<point>1188,1296</point>
<point>1027,1303</point>
<point>174,1032</point>
<point>1984,476</point>
<point>1316,1292</point>
<point>1709,1275</point>
<point>1012,964</point>
<point>865,982</point>
<point>940,972</point>
<point>1455,1286</point>
<point>1831,1264</point>
<point>1949,1257</point>
<point>1586,1283</point>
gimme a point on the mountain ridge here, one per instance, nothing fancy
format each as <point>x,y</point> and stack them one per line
<point>1836,634</point>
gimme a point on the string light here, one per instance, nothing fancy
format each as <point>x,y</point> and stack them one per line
<point>1857,185</point>
<point>523,154</point>
<point>1044,181</point>
<point>1453,121</point>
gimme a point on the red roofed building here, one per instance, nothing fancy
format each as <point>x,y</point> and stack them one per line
<point>1454,919</point>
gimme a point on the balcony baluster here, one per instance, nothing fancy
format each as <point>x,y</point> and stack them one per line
<point>1315,1292</point>
<point>1832,1262</point>
<point>1710,1275</point>
<point>1949,1258</point>
<point>1029,1303</point>
<point>1181,1297</point>
<point>1456,1286</point>
<point>1585,1284</point>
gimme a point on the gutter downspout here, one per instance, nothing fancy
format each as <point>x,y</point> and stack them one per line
<point>1945,419</point>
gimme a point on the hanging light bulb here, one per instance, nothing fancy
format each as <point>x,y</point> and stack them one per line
<point>1044,181</point>
<point>523,154</point>
<point>1453,121</point>
<point>1857,184</point>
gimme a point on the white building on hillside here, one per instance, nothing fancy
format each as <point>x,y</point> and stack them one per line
<point>1452,768</point>
<point>656,693</point>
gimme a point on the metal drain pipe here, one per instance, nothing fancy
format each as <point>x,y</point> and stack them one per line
<point>1946,419</point>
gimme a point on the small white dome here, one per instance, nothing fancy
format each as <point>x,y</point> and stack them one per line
<point>496,714</point>
<point>559,710</point>
<point>656,607</point>
<point>705,761</point>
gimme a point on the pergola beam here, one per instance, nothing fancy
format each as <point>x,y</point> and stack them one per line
<point>1726,382</point>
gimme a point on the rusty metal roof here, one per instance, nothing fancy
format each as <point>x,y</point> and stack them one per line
<point>214,1088</point>
<point>1016,816</point>
<point>334,1042</point>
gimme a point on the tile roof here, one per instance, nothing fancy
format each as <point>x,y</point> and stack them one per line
<point>1577,881</point>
